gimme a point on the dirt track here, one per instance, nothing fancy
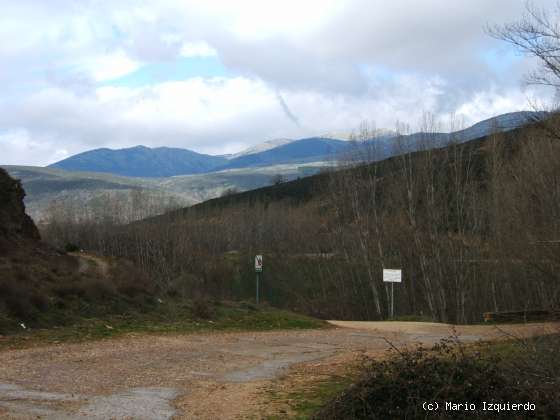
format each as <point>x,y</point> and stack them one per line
<point>197,376</point>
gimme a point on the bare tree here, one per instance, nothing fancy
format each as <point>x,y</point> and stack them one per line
<point>277,179</point>
<point>536,34</point>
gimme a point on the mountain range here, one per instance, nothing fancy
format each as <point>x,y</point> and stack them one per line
<point>142,161</point>
<point>160,162</point>
<point>186,177</point>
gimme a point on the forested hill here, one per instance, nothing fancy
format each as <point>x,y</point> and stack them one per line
<point>473,226</point>
<point>302,190</point>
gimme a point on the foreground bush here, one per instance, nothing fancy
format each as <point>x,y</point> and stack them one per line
<point>450,381</point>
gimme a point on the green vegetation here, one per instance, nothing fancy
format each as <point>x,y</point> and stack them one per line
<point>518,371</point>
<point>306,403</point>
<point>167,317</point>
<point>42,288</point>
<point>302,402</point>
<point>396,386</point>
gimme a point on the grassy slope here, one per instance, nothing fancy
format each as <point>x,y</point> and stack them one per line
<point>170,317</point>
<point>66,297</point>
<point>302,400</point>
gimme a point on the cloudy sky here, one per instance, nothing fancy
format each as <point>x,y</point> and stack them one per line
<point>219,76</point>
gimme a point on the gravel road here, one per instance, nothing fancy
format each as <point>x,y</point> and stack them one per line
<point>195,376</point>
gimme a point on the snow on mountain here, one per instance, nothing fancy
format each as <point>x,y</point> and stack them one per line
<point>261,147</point>
<point>500,123</point>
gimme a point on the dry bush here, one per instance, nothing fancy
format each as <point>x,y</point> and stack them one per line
<point>398,387</point>
<point>202,309</point>
<point>99,289</point>
<point>39,301</point>
<point>73,287</point>
<point>15,296</point>
<point>130,281</point>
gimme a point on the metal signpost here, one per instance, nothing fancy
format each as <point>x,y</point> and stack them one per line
<point>258,270</point>
<point>392,276</point>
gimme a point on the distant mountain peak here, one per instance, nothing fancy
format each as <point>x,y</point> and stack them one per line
<point>143,161</point>
<point>261,147</point>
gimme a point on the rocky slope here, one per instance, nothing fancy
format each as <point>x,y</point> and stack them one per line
<point>14,223</point>
<point>41,286</point>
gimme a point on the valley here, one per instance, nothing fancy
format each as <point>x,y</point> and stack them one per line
<point>50,187</point>
<point>295,210</point>
<point>156,313</point>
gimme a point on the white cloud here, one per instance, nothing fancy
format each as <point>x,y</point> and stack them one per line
<point>326,64</point>
<point>18,147</point>
<point>197,49</point>
<point>489,103</point>
<point>110,66</point>
<point>217,115</point>
<point>257,20</point>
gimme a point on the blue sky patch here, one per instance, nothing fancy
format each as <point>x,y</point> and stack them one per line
<point>502,59</point>
<point>180,69</point>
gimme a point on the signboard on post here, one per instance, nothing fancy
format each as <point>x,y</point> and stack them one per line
<point>392,276</point>
<point>258,270</point>
<point>258,263</point>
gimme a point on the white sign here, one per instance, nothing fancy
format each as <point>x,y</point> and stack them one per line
<point>392,276</point>
<point>258,263</point>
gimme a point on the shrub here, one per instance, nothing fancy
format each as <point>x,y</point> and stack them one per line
<point>8,286</point>
<point>39,301</point>
<point>99,289</point>
<point>69,247</point>
<point>16,297</point>
<point>202,309</point>
<point>21,274</point>
<point>173,292</point>
<point>20,307</point>
<point>132,289</point>
<point>398,387</point>
<point>130,281</point>
<point>73,288</point>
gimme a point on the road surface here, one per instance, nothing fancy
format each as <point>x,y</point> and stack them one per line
<point>197,376</point>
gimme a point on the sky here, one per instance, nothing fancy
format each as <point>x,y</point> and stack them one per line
<point>219,76</point>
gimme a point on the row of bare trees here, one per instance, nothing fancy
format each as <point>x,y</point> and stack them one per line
<point>475,227</point>
<point>67,218</point>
